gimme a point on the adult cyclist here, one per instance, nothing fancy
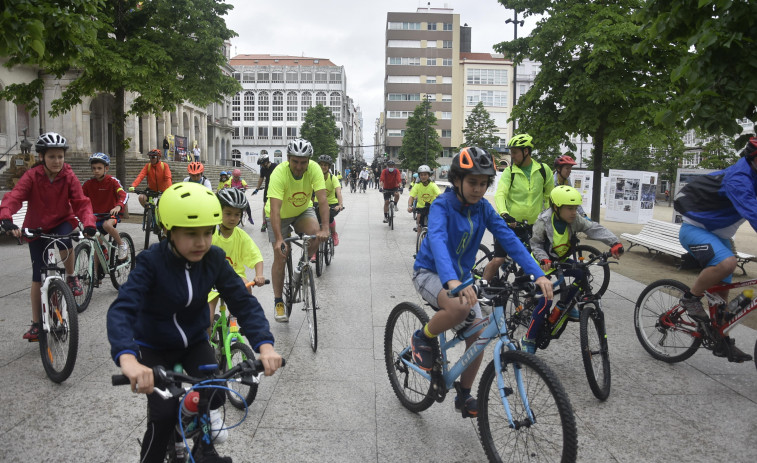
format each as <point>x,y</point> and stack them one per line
<point>333,193</point>
<point>266,169</point>
<point>364,176</point>
<point>390,182</point>
<point>292,184</point>
<point>522,193</point>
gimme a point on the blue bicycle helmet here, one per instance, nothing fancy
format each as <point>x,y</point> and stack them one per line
<point>100,157</point>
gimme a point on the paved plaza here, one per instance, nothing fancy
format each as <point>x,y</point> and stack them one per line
<point>336,405</point>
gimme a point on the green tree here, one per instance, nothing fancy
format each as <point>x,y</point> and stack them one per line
<point>163,51</point>
<point>716,69</point>
<point>420,144</point>
<point>590,83</point>
<point>480,129</point>
<point>319,128</point>
<point>718,152</point>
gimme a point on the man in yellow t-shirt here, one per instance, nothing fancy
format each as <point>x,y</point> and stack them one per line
<point>292,185</point>
<point>333,193</point>
<point>425,191</point>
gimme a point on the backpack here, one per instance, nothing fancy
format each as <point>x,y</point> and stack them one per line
<point>541,170</point>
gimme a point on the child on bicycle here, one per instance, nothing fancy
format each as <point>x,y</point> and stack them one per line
<point>55,199</point>
<point>107,197</point>
<point>236,180</point>
<point>424,192</point>
<point>158,175</point>
<point>195,170</point>
<point>241,250</point>
<point>160,316</point>
<point>222,180</point>
<point>457,221</point>
<point>333,194</point>
<point>554,236</point>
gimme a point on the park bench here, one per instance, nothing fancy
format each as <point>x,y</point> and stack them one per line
<point>662,238</point>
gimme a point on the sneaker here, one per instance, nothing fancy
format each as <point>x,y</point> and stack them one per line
<point>728,349</point>
<point>694,308</point>
<point>123,251</point>
<point>217,431</point>
<point>467,406</point>
<point>33,334</point>
<point>386,219</point>
<point>280,313</point>
<point>396,208</point>
<point>263,228</point>
<point>75,285</point>
<point>335,238</point>
<point>423,351</point>
<point>528,345</point>
<point>574,315</point>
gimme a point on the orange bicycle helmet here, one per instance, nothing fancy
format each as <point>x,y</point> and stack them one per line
<point>195,168</point>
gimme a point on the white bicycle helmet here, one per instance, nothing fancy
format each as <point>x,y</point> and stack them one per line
<point>50,140</point>
<point>424,168</point>
<point>300,147</point>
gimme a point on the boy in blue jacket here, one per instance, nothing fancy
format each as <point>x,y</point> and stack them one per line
<point>160,316</point>
<point>456,224</point>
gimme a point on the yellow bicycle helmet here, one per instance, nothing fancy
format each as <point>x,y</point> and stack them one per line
<point>522,140</point>
<point>188,204</point>
<point>565,195</point>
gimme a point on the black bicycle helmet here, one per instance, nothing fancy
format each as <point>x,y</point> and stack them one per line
<point>50,140</point>
<point>262,159</point>
<point>325,158</point>
<point>232,197</point>
<point>473,161</point>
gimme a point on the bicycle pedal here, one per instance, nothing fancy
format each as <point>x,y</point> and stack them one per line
<point>33,340</point>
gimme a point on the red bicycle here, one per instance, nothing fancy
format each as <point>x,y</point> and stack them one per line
<point>667,332</point>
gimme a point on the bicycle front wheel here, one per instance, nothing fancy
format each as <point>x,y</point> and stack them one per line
<point>328,252</point>
<point>319,251</point>
<point>147,221</point>
<point>309,307</point>
<point>419,239</point>
<point>59,344</point>
<point>240,352</point>
<point>544,430</point>
<point>120,268</point>
<point>663,327</point>
<point>391,215</point>
<point>483,257</point>
<point>288,286</point>
<point>411,388</point>
<point>594,350</point>
<point>84,259</point>
<point>599,275</point>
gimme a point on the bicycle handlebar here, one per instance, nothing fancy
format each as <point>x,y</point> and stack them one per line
<point>148,192</point>
<point>251,283</point>
<point>521,283</point>
<point>40,233</point>
<point>604,257</point>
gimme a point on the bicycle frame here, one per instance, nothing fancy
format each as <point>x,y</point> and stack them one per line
<point>51,265</point>
<point>714,301</point>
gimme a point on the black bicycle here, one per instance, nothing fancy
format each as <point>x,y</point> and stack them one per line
<point>150,219</point>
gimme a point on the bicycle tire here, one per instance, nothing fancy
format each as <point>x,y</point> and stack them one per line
<point>147,226</point>
<point>239,352</point>
<point>120,269</point>
<point>288,286</point>
<point>58,346</point>
<point>329,250</point>
<point>309,307</point>
<point>654,322</point>
<point>483,257</point>
<point>84,256</point>
<point>412,389</point>
<point>391,215</point>
<point>419,240</point>
<point>551,437</point>
<point>595,351</point>
<point>755,354</point>
<point>599,278</point>
<point>319,260</point>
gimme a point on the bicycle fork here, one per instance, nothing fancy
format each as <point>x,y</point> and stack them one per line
<point>505,391</point>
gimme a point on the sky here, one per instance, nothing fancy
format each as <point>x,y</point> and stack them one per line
<point>351,33</point>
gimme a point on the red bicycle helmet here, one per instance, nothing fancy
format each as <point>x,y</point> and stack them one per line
<point>195,168</point>
<point>564,160</point>
<point>155,153</point>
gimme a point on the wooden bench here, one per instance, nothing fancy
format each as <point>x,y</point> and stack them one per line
<point>662,238</point>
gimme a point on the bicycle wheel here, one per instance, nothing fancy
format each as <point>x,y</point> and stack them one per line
<point>419,239</point>
<point>391,215</point>
<point>599,275</point>
<point>411,388</point>
<point>483,256</point>
<point>288,286</point>
<point>58,346</point>
<point>319,250</point>
<point>120,268</point>
<point>664,329</point>
<point>328,252</point>
<point>147,221</point>
<point>84,259</point>
<point>239,353</point>
<point>309,307</point>
<point>550,436</point>
<point>595,351</point>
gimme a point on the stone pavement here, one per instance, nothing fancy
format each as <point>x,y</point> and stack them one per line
<point>336,405</point>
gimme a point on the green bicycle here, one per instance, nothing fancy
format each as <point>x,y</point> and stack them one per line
<point>231,349</point>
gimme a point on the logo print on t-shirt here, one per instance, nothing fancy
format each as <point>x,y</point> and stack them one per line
<point>298,199</point>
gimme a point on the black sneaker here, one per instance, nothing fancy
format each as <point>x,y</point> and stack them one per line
<point>468,406</point>
<point>727,348</point>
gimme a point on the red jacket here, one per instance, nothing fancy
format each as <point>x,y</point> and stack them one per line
<point>391,180</point>
<point>105,194</point>
<point>50,203</point>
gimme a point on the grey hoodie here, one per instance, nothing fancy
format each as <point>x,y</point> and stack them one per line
<point>543,235</point>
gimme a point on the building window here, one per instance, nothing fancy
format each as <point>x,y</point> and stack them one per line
<point>447,44</point>
<point>431,80</point>
<point>277,77</point>
<point>446,133</point>
<point>447,26</point>
<point>263,77</point>
<point>237,76</point>
<point>320,77</point>
<point>446,80</point>
<point>278,133</point>
<point>263,133</point>
<point>263,106</point>
<point>446,98</point>
<point>307,77</point>
<point>431,26</point>
<point>404,26</point>
<point>403,79</point>
<point>276,156</point>
<point>320,98</point>
<point>431,96</point>
<point>430,61</point>
<point>249,106</point>
<point>494,98</point>
<point>307,102</point>
<point>336,106</point>
<point>399,114</point>
<point>404,97</point>
<point>403,43</point>
<point>395,133</point>
<point>487,76</point>
<point>291,106</point>
<point>235,134</point>
<point>249,133</point>
<point>447,62</point>
<point>335,77</point>
<point>396,60</point>
<point>278,106</point>
<point>431,44</point>
<point>235,108</point>
<point>248,77</point>
<point>446,115</point>
<point>291,132</point>
<point>292,76</point>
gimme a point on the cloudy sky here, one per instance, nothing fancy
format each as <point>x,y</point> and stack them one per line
<point>351,33</point>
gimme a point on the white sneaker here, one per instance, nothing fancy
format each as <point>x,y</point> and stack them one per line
<point>217,433</point>
<point>123,251</point>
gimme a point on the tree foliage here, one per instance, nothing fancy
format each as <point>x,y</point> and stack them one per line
<point>420,145</point>
<point>716,67</point>
<point>163,51</point>
<point>319,128</point>
<point>480,129</point>
<point>718,152</point>
<point>590,82</point>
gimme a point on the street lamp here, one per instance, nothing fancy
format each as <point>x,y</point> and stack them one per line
<point>426,127</point>
<point>515,23</point>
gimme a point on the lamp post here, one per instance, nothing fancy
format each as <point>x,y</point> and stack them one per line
<point>426,127</point>
<point>515,68</point>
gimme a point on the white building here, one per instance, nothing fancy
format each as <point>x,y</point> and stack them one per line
<point>277,93</point>
<point>488,79</point>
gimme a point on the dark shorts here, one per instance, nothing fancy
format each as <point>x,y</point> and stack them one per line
<point>423,215</point>
<point>389,194</point>
<point>99,224</point>
<point>37,249</point>
<point>332,213</point>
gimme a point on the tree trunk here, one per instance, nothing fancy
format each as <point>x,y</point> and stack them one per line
<point>596,192</point>
<point>118,134</point>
